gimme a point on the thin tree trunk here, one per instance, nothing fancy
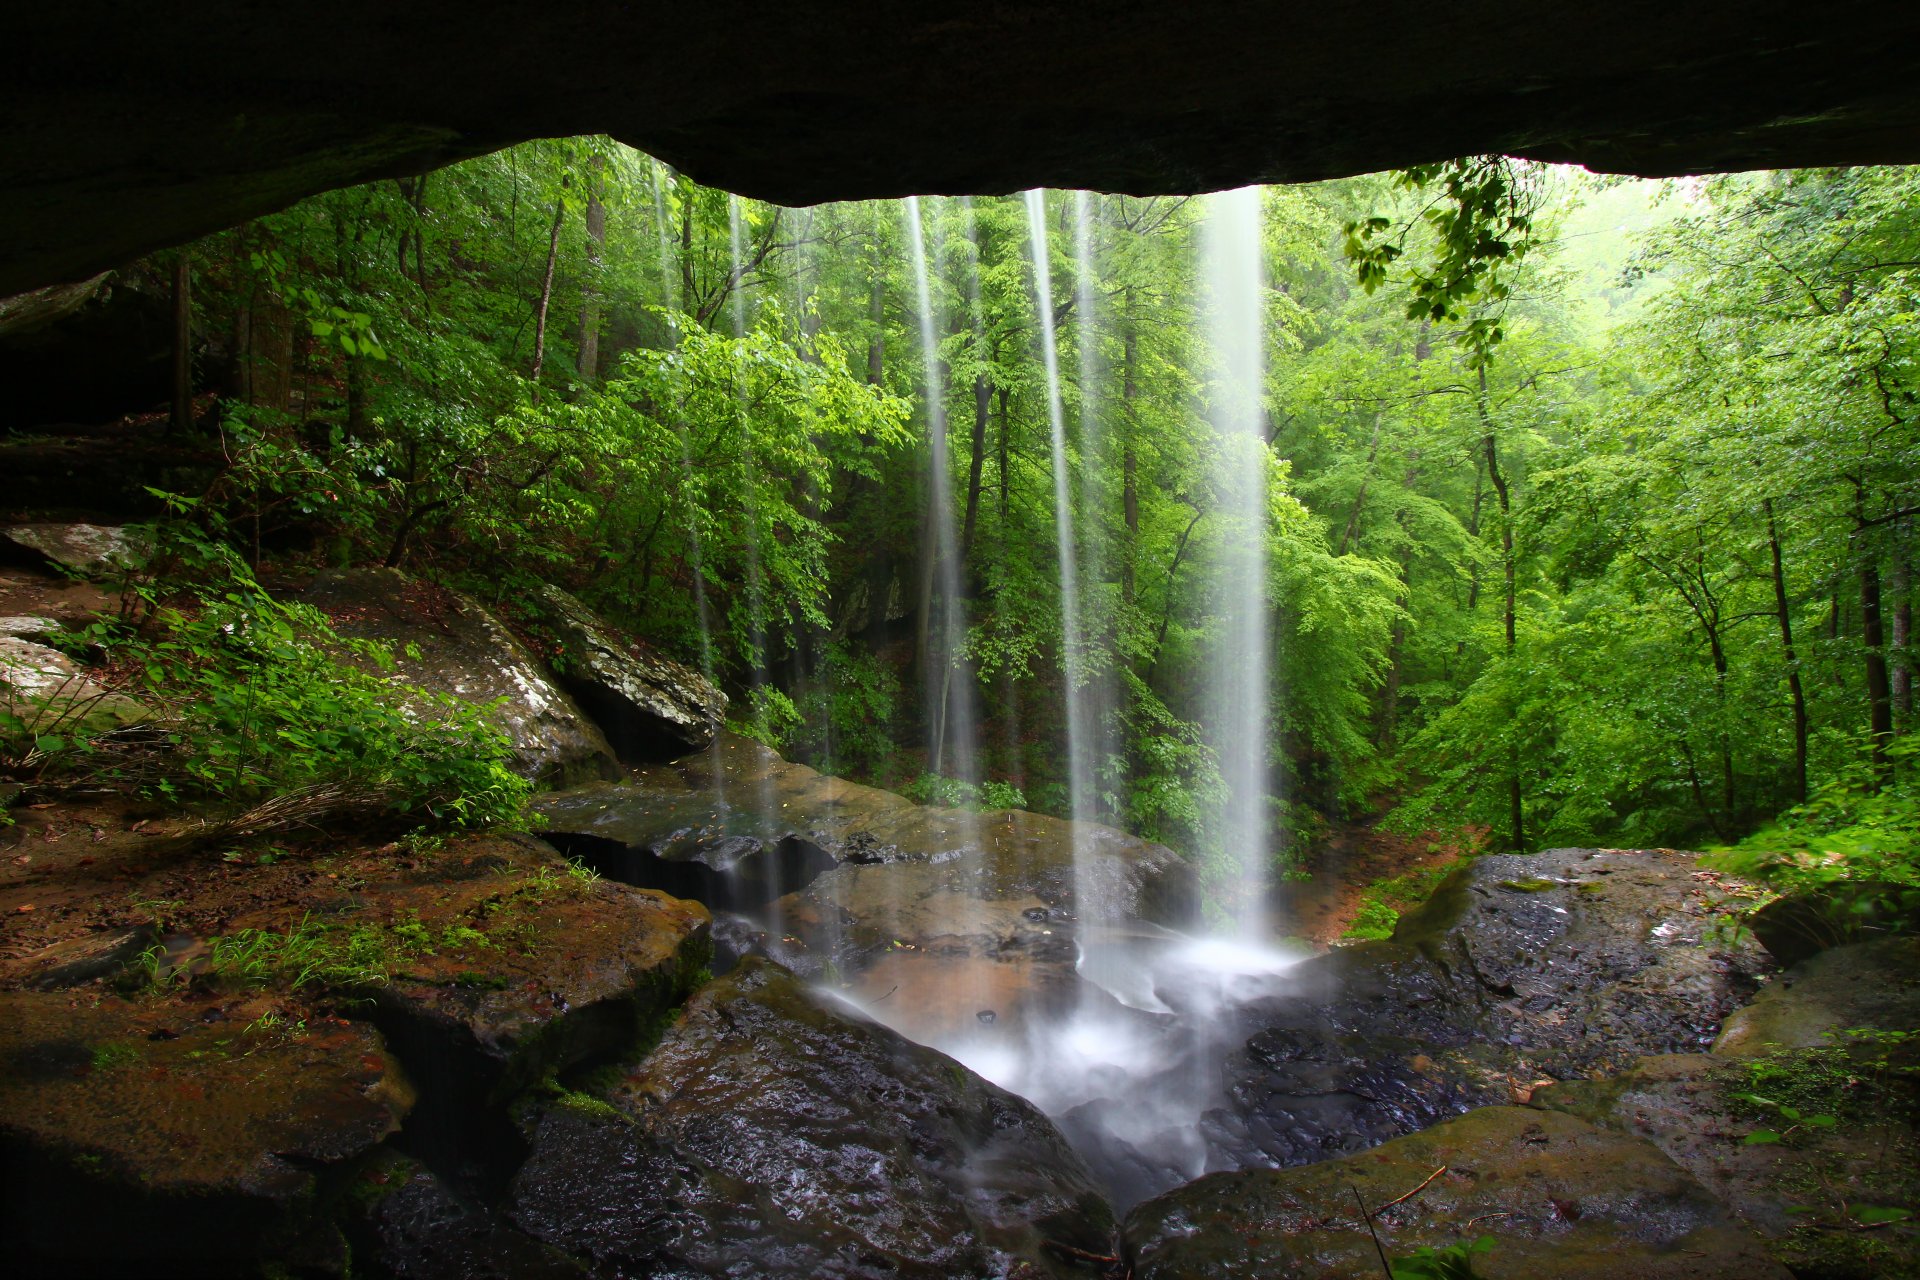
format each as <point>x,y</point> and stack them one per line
<point>182,419</point>
<point>976,463</point>
<point>1879,691</point>
<point>1902,657</point>
<point>589,354</point>
<point>1491,449</point>
<point>546,296</point>
<point>1129,459</point>
<point>1794,690</point>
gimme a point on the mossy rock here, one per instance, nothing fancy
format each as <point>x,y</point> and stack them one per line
<point>1563,1200</point>
<point>148,1138</point>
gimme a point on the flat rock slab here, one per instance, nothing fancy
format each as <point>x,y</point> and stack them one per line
<point>1868,984</point>
<point>569,971</point>
<point>467,653</point>
<point>649,706</point>
<point>1561,1197</point>
<point>777,1133</point>
<point>177,1137</point>
<point>90,550</point>
<point>1802,1191</point>
<point>1556,965</point>
<point>742,791</point>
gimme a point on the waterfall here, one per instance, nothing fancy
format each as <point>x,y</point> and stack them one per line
<point>952,715</point>
<point>1238,690</point>
<point>1072,641</point>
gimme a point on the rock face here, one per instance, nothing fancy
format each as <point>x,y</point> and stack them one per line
<point>1553,965</point>
<point>107,159</point>
<point>466,652</point>
<point>1561,1198</point>
<point>51,695</point>
<point>651,708</point>
<point>188,1146</point>
<point>89,550</point>
<point>772,1133</point>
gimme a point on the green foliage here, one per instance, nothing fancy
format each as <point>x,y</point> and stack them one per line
<point>1383,901</point>
<point>953,793</point>
<point>847,713</point>
<point>1453,1262</point>
<point>258,709</point>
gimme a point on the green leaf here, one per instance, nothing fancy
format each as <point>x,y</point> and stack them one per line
<point>1760,1137</point>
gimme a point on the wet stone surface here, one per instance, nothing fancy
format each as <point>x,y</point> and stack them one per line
<point>466,652</point>
<point>1561,1198</point>
<point>776,1133</point>
<point>1561,964</point>
<point>192,1139</point>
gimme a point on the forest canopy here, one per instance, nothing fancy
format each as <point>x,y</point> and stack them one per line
<point>1591,503</point>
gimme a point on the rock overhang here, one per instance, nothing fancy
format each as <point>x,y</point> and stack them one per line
<point>177,123</point>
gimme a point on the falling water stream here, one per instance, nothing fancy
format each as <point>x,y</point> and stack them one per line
<point>1239,690</point>
<point>1123,1038</point>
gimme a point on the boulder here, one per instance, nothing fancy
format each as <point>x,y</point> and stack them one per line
<point>1868,984</point>
<point>775,1132</point>
<point>52,695</point>
<point>464,651</point>
<point>1560,1197</point>
<point>650,707</point>
<point>1799,925</point>
<point>1560,964</point>
<point>90,550</point>
<point>191,1143</point>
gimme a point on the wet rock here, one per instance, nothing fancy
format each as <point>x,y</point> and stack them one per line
<point>1798,1191</point>
<point>1559,964</point>
<point>187,1147</point>
<point>89,957</point>
<point>29,627</point>
<point>651,708</point>
<point>53,694</point>
<point>1561,1198</point>
<point>1802,924</point>
<point>688,811</point>
<point>409,1225</point>
<point>1868,984</point>
<point>90,550</point>
<point>776,1133</point>
<point>467,653</point>
<point>530,975</point>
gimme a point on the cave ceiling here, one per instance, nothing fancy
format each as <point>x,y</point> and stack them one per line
<point>129,127</point>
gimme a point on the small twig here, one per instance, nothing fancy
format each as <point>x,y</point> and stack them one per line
<point>1367,1218</point>
<point>890,990</point>
<point>1483,1217</point>
<point>1411,1194</point>
<point>1081,1255</point>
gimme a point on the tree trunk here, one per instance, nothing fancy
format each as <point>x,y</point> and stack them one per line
<point>1879,692</point>
<point>1490,448</point>
<point>589,355</point>
<point>1129,459</point>
<point>877,329</point>
<point>976,463</point>
<point>546,297</point>
<point>1902,657</point>
<point>1794,690</point>
<point>182,420</point>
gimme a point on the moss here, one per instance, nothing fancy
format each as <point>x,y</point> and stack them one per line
<point>1533,884</point>
<point>115,1053</point>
